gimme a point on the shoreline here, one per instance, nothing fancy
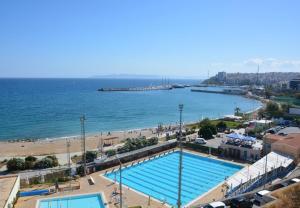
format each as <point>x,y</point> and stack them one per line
<point>57,145</point>
<point>92,134</point>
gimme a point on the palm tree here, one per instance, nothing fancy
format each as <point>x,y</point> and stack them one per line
<point>237,111</point>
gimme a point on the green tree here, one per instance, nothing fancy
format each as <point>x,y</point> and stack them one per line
<point>273,110</point>
<point>205,132</point>
<point>207,129</point>
<point>221,126</point>
<point>30,162</point>
<point>54,160</point>
<point>268,91</point>
<point>44,163</point>
<point>91,155</point>
<point>237,111</point>
<point>31,158</point>
<point>15,164</point>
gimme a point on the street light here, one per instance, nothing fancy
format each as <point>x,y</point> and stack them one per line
<point>180,156</point>
<point>120,182</point>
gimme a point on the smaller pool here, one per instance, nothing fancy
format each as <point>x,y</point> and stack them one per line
<point>78,201</point>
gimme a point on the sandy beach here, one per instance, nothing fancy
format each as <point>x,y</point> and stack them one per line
<point>58,146</point>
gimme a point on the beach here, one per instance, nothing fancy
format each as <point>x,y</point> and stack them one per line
<point>58,146</point>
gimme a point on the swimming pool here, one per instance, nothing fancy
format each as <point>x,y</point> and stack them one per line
<point>78,201</point>
<point>158,177</point>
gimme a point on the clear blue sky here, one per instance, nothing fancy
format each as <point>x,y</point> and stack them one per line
<point>60,38</point>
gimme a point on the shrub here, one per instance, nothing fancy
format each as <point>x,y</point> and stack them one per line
<point>90,156</point>
<point>30,158</point>
<point>110,152</point>
<point>44,163</point>
<point>80,170</point>
<point>15,164</point>
<point>54,160</point>
<point>29,164</point>
<point>221,126</point>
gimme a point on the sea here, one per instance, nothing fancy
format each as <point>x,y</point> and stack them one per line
<point>51,108</point>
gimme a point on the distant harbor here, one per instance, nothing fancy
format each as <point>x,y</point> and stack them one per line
<point>224,91</point>
<point>149,88</point>
<point>105,111</point>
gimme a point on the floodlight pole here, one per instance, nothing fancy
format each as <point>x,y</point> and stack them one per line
<point>180,156</point>
<point>120,183</point>
<point>83,142</point>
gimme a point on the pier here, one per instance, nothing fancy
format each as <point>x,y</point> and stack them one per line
<point>225,91</point>
<point>151,88</point>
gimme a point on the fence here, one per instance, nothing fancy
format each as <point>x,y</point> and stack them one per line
<point>131,156</point>
<point>202,148</point>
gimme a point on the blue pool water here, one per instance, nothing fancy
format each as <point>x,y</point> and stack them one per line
<point>86,201</point>
<point>159,177</point>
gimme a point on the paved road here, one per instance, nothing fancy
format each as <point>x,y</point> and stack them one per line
<point>214,143</point>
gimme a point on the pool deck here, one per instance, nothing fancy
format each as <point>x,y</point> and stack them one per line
<point>130,197</point>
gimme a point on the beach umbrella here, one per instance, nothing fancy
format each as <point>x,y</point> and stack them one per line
<point>249,138</point>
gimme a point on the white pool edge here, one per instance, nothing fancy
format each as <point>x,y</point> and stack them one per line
<point>154,157</point>
<point>101,193</point>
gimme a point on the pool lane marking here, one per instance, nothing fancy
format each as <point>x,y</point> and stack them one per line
<point>136,191</point>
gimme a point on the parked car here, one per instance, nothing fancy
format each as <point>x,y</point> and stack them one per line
<point>215,205</point>
<point>294,180</point>
<point>240,202</point>
<point>200,141</point>
<point>260,197</point>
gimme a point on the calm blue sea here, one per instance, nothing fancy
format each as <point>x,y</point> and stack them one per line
<point>46,108</point>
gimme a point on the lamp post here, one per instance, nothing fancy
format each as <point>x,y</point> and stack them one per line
<point>120,182</point>
<point>180,156</point>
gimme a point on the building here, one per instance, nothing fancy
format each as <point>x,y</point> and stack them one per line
<point>295,84</point>
<point>9,188</point>
<point>294,111</point>
<point>221,76</point>
<point>286,141</point>
<point>258,125</point>
<point>241,148</point>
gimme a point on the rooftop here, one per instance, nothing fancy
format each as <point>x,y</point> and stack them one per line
<point>6,185</point>
<point>292,140</point>
<point>289,130</point>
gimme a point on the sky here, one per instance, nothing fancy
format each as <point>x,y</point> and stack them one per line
<point>184,38</point>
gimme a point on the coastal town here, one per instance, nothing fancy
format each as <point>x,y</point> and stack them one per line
<point>149,104</point>
<point>264,146</point>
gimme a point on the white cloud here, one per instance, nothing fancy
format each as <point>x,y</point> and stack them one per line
<point>273,63</point>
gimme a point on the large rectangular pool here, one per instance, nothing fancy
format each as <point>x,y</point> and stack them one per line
<point>158,177</point>
<point>78,201</point>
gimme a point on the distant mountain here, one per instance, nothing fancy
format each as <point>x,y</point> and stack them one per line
<point>127,76</point>
<point>140,76</point>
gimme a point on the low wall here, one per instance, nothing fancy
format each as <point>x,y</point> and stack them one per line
<point>201,148</point>
<point>131,156</point>
<point>13,193</point>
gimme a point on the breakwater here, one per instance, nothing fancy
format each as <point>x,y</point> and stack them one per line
<point>225,91</point>
<point>167,87</point>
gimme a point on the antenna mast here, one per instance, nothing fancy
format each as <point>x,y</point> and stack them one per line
<point>257,74</point>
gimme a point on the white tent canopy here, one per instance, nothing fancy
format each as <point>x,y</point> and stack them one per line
<point>274,160</point>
